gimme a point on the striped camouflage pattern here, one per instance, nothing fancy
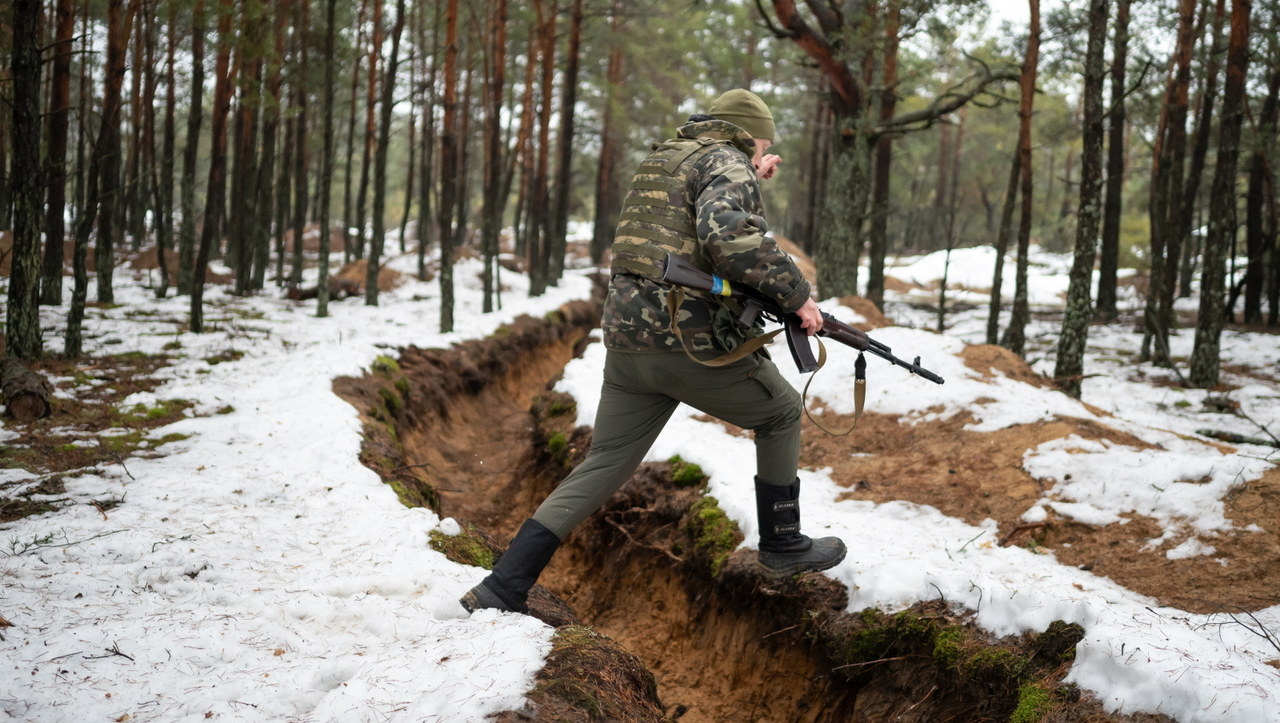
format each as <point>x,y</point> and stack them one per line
<point>696,195</point>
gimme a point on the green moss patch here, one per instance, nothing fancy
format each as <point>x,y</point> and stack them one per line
<point>713,533</point>
<point>686,474</point>
<point>468,547</point>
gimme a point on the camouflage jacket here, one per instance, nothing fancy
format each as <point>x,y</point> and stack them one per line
<point>722,197</point>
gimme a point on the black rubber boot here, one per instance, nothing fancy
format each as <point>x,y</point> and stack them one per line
<point>782,548</point>
<point>507,587</point>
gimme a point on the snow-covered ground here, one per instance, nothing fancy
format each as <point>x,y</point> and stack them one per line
<point>258,571</point>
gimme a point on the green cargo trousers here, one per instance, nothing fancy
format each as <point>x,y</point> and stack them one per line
<point>639,394</point>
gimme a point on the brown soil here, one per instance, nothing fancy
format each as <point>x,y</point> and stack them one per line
<point>974,476</point>
<point>476,433</point>
<point>68,441</point>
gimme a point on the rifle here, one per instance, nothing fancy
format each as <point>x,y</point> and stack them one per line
<point>680,272</point>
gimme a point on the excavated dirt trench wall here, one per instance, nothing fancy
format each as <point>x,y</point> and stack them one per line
<point>476,433</point>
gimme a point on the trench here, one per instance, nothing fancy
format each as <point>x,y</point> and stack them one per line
<point>675,627</point>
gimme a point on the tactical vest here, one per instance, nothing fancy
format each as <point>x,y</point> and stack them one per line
<point>657,214</point>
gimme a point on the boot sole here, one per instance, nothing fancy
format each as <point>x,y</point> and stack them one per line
<point>481,597</point>
<point>792,567</point>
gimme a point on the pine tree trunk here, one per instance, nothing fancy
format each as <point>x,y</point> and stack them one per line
<point>284,177</point>
<point>1002,247</point>
<point>410,174</point>
<point>564,165</point>
<point>370,131</point>
<point>59,119</point>
<point>119,20</point>
<point>260,235</point>
<point>1222,212</point>
<point>246,206</point>
<point>190,155</point>
<point>215,195</point>
<point>840,229</point>
<point>1260,242</point>
<point>495,86</point>
<point>380,160</point>
<point>1165,207</point>
<point>298,154</point>
<point>1015,335</point>
<point>326,175</point>
<point>132,199</point>
<point>448,164</point>
<point>1069,370</point>
<point>608,188</point>
<point>427,221</point>
<point>539,218</point>
<point>877,236</point>
<point>348,244</point>
<point>1109,257</point>
<point>109,139</point>
<point>22,320</point>
<point>1200,149</point>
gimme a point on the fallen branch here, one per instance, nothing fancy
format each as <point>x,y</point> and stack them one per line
<point>1233,438</point>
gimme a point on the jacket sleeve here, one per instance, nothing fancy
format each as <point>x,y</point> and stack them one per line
<point>731,229</point>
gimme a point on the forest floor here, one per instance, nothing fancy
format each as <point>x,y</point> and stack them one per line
<point>471,425</point>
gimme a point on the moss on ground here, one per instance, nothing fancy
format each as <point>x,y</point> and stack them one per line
<point>468,547</point>
<point>713,533</point>
<point>686,474</point>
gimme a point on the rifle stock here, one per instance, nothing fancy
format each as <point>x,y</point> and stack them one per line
<point>680,272</point>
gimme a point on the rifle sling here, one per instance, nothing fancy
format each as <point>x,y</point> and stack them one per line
<point>859,392</point>
<point>676,296</point>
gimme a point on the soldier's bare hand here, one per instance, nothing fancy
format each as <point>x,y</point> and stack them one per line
<point>767,166</point>
<point>810,317</point>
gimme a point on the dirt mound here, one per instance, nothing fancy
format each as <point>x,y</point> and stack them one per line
<point>990,359</point>
<point>975,476</point>
<point>358,272</point>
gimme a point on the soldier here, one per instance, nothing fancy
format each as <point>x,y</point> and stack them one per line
<point>696,196</point>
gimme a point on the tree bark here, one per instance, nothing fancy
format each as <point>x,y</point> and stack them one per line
<point>27,394</point>
<point>1165,207</point>
<point>370,130</point>
<point>448,164</point>
<point>1222,213</point>
<point>1002,247</point>
<point>1069,370</point>
<point>1260,242</point>
<point>348,245</point>
<point>260,235</point>
<point>495,86</point>
<point>119,20</point>
<point>877,237</point>
<point>1015,335</point>
<point>564,164</point>
<point>215,196</point>
<point>163,176</point>
<point>1109,257</point>
<point>190,155</point>
<point>380,160</point>
<point>540,222</point>
<point>242,224</point>
<point>298,153</point>
<point>608,187</point>
<point>58,124</point>
<point>109,138</point>
<point>1200,149</point>
<point>326,176</point>
<point>22,321</point>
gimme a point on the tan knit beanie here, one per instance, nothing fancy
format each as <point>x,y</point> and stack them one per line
<point>745,110</point>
